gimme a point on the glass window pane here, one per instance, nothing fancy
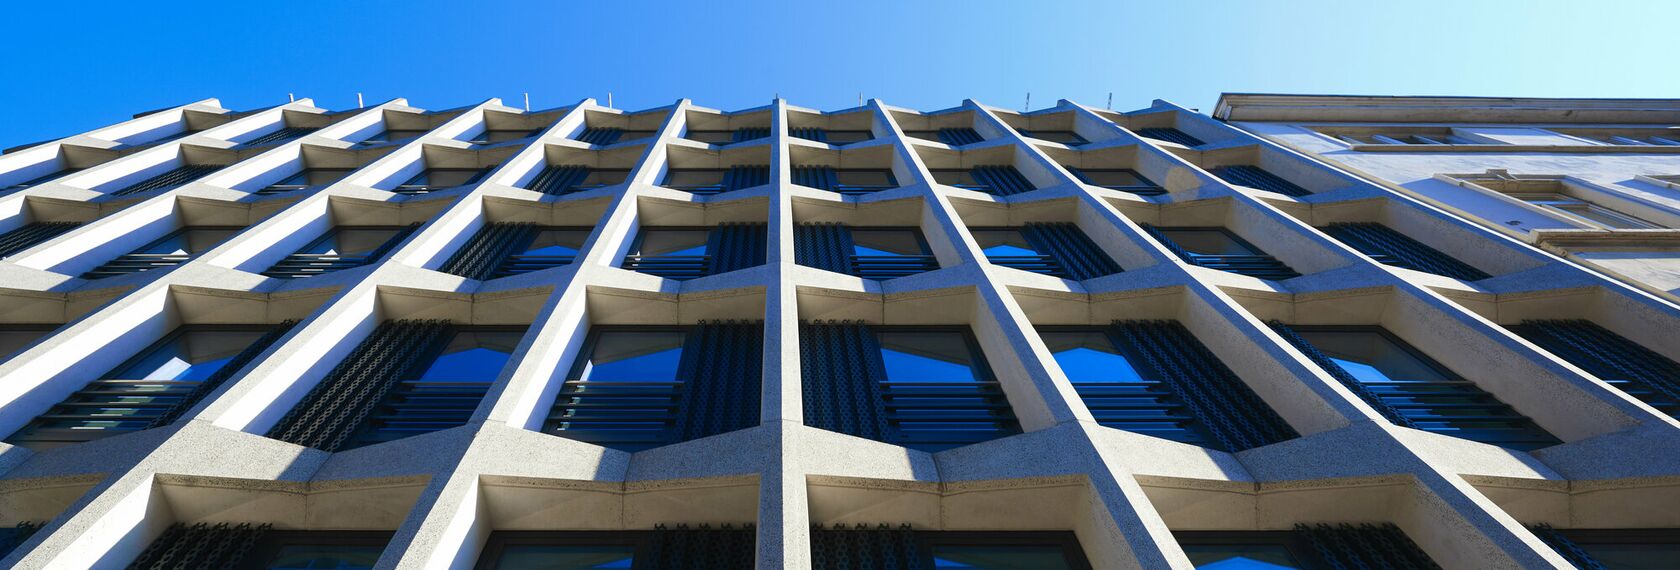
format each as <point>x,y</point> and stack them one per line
<point>544,557</point>
<point>326,557</point>
<point>351,241</point>
<point>1635,556</point>
<point>694,177</point>
<point>1116,177</point>
<point>1003,243</point>
<point>192,356</point>
<point>189,242</point>
<point>320,176</point>
<point>713,137</point>
<point>1067,137</point>
<point>604,177</point>
<point>1241,556</point>
<point>497,136</point>
<point>1605,217</point>
<point>887,242</point>
<point>1207,242</point>
<point>927,356</point>
<point>864,177</point>
<point>927,135</point>
<point>848,137</point>
<point>12,341</point>
<point>634,356</point>
<point>633,135</point>
<point>444,177</point>
<point>557,242</point>
<point>1089,356</point>
<point>953,177</point>
<point>472,356</point>
<point>1372,357</point>
<point>673,242</point>
<point>978,557</point>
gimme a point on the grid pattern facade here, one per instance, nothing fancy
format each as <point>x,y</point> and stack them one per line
<point>1311,358</point>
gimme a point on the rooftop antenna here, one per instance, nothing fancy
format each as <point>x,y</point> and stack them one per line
<point>1110,101</point>
<point>291,97</point>
<point>1028,104</point>
<point>860,98</point>
<point>609,99</point>
<point>527,101</point>
<point>359,101</point>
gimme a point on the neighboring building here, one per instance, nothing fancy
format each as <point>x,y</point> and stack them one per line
<point>876,337</point>
<point>1594,180</point>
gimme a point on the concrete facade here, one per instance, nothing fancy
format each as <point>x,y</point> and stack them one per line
<point>1467,504</point>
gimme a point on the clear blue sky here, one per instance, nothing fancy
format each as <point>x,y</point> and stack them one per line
<point>73,66</point>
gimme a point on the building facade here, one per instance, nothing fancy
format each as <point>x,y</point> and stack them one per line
<point>490,337</point>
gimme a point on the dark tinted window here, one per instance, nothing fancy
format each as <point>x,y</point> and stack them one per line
<point>191,241</point>
<point>1208,242</point>
<point>694,177</point>
<point>865,177</point>
<point>848,137</point>
<point>445,177</point>
<point>564,557</point>
<point>472,356</point>
<point>557,242</point>
<point>953,177</point>
<point>995,242</point>
<point>1241,556</point>
<point>14,338</point>
<point>190,356</point>
<point>316,177</point>
<point>887,242</point>
<point>712,137</point>
<point>1118,177</point>
<point>1089,356</point>
<point>671,242</point>
<point>1371,356</point>
<point>350,241</point>
<point>928,356</point>
<point>634,356</point>
<point>981,557</point>
<point>496,136</point>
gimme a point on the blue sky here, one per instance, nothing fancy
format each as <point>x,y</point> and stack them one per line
<point>73,66</point>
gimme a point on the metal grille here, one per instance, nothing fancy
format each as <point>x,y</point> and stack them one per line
<point>600,135</point>
<point>559,180</point>
<point>751,133</point>
<point>173,179</point>
<point>847,391</point>
<point>281,135</point>
<point>1567,548</point>
<point>1000,179</point>
<point>200,546</point>
<point>492,253</point>
<point>111,406</point>
<point>1639,371</point>
<point>702,548</point>
<point>827,178</point>
<point>308,264</point>
<point>1197,393</point>
<point>1394,248</point>
<point>1253,265</point>
<point>328,416</point>
<point>1068,252</point>
<point>1254,177</point>
<point>959,137</point>
<point>31,235</point>
<point>880,546</point>
<point>717,391</point>
<point>1457,408</point>
<point>809,133</point>
<point>1171,135</point>
<point>1350,547</point>
<point>415,407</point>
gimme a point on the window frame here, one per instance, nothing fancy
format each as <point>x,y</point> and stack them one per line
<point>1400,343</point>
<point>1072,552</point>
<point>273,541</point>
<point>497,544</point>
<point>1293,542</point>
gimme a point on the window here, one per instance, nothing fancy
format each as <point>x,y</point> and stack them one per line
<point>1069,138</point>
<point>842,547</point>
<point>1122,179</point>
<point>493,136</point>
<point>1629,137</point>
<point>727,136</point>
<point>152,388</point>
<point>707,181</point>
<point>1398,135</point>
<point>503,249</point>
<point>610,135</point>
<point>1218,248</point>
<point>342,247</point>
<point>635,388</point>
<point>257,547</point>
<point>31,235</point>
<point>170,250</point>
<point>1002,180</point>
<point>390,136</point>
<point>1156,379</point>
<point>559,180</point>
<point>1055,249</point>
<point>726,547</point>
<point>1615,549</point>
<point>953,137</point>
<point>1171,135</point>
<point>1641,372</point>
<point>888,253</point>
<point>926,388</point>
<point>435,179</point>
<point>307,178</point>
<point>1390,247</point>
<point>14,337</point>
<point>42,180</point>
<point>1306,547</point>
<point>846,181</point>
<point>176,178</point>
<point>1412,390</point>
<point>831,136</point>
<point>407,377</point>
<point>1583,211</point>
<point>1254,177</point>
<point>690,252</point>
<point>445,392</point>
<point>279,136</point>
